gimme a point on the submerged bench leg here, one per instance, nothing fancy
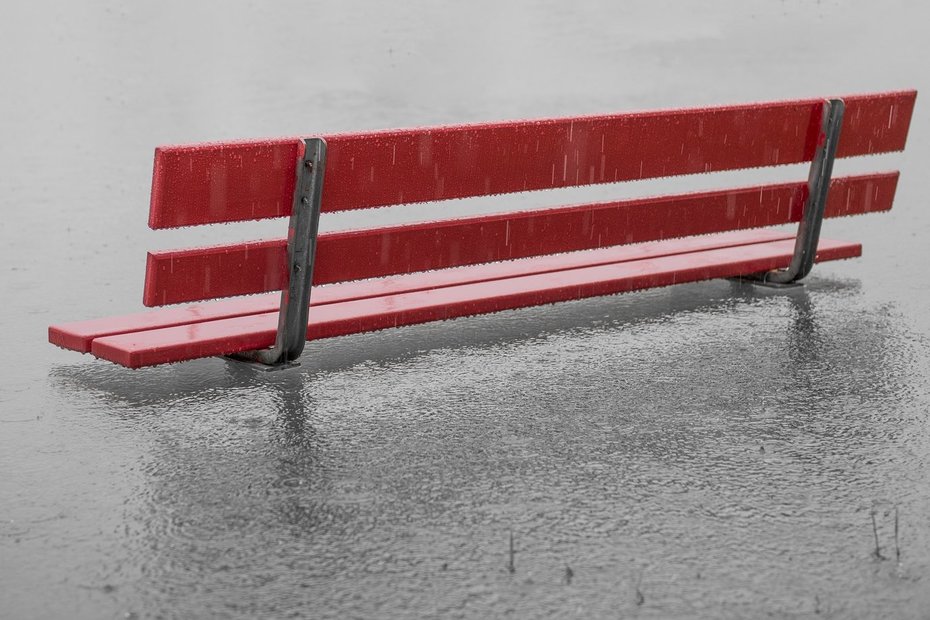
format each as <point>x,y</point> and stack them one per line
<point>301,249</point>
<point>818,186</point>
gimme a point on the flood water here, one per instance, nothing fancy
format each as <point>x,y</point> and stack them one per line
<point>708,450</point>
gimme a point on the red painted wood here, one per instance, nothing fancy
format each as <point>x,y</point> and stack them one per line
<point>224,182</point>
<point>245,268</point>
<point>256,331</point>
<point>79,335</point>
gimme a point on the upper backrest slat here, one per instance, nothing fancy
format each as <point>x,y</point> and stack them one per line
<point>211,183</point>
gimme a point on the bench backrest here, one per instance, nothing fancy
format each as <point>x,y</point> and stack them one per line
<point>212,183</point>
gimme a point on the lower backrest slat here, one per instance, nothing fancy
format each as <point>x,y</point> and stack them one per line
<point>246,268</point>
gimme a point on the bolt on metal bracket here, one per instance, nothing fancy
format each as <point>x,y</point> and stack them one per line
<point>818,188</point>
<point>301,250</point>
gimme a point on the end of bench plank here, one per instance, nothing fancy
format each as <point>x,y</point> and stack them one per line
<point>64,337</point>
<point>79,335</point>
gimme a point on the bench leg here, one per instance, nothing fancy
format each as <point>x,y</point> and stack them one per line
<point>301,249</point>
<point>818,186</point>
<point>757,280</point>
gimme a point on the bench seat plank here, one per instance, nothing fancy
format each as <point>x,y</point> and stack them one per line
<point>225,336</point>
<point>196,274</point>
<point>79,335</point>
<point>225,182</point>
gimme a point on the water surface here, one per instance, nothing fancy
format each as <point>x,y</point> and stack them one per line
<point>708,450</point>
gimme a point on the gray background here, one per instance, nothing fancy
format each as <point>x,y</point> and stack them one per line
<point>705,450</point>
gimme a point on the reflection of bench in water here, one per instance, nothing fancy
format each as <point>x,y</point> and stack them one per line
<point>399,275</point>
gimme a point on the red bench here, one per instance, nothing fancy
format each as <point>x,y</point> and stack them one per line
<point>375,278</point>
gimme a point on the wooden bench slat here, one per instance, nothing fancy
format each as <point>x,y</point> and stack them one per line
<point>245,268</point>
<point>79,335</point>
<point>211,183</point>
<point>258,331</point>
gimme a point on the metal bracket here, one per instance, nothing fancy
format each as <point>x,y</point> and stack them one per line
<point>301,250</point>
<point>756,280</point>
<point>818,187</point>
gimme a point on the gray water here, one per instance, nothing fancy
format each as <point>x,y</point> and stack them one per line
<point>708,450</point>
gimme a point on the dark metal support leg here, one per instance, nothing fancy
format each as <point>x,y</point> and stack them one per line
<point>301,249</point>
<point>818,187</point>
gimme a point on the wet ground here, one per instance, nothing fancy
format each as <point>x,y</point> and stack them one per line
<point>708,450</point>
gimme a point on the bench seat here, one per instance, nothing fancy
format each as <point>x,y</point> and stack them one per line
<point>231,326</point>
<point>252,299</point>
